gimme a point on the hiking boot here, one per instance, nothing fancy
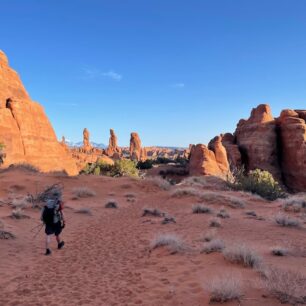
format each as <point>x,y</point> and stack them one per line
<point>60,245</point>
<point>48,252</point>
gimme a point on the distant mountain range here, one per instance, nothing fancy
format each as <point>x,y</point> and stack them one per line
<point>103,146</point>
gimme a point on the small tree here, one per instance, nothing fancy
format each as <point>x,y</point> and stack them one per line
<point>124,167</point>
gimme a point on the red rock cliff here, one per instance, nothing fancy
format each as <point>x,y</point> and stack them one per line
<point>25,129</point>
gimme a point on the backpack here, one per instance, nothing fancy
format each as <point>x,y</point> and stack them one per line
<point>49,212</point>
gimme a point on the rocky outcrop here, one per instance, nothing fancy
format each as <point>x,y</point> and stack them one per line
<point>220,153</point>
<point>204,161</point>
<point>113,148</point>
<point>135,147</point>
<point>25,129</point>
<point>257,141</point>
<point>86,140</point>
<point>292,130</point>
<point>232,150</point>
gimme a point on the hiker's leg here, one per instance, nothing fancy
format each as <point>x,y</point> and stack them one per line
<point>48,238</point>
<point>58,238</point>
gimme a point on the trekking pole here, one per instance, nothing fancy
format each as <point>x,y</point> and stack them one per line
<point>42,225</point>
<point>35,227</point>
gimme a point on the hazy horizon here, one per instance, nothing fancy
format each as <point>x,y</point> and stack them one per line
<point>175,72</point>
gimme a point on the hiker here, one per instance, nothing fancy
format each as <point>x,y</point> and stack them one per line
<point>53,218</point>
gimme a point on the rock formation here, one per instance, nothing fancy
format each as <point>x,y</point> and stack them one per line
<point>292,130</point>
<point>113,145</point>
<point>232,150</point>
<point>25,129</point>
<point>203,161</point>
<point>135,147</point>
<point>86,142</point>
<point>220,153</point>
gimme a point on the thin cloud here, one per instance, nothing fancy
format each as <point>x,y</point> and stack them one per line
<point>178,85</point>
<point>93,73</point>
<point>112,75</point>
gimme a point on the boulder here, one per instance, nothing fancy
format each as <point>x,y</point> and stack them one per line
<point>25,129</point>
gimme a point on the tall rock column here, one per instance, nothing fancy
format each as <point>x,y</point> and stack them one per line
<point>135,147</point>
<point>113,145</point>
<point>86,142</point>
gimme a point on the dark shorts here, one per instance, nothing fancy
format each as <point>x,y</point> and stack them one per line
<point>53,229</point>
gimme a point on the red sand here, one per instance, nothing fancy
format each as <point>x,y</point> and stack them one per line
<point>107,258</point>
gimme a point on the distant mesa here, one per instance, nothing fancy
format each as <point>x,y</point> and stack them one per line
<point>25,129</point>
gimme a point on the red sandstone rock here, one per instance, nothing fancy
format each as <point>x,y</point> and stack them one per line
<point>135,147</point>
<point>232,150</point>
<point>113,145</point>
<point>292,129</point>
<point>25,129</point>
<point>203,162</point>
<point>257,141</point>
<point>220,153</point>
<point>86,140</point>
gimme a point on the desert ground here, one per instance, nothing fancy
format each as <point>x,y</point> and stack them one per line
<point>110,257</point>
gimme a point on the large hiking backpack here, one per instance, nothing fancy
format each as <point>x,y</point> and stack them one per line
<point>49,212</point>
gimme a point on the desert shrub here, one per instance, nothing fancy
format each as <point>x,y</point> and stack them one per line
<point>205,181</point>
<point>84,210</point>
<point>124,167</point>
<point>152,212</point>
<point>2,146</point>
<point>5,235</point>
<point>111,204</point>
<point>162,161</point>
<point>18,214</point>
<point>159,182</point>
<point>214,223</point>
<point>145,165</point>
<point>279,251</point>
<point>284,220</point>
<point>223,214</point>
<point>172,242</point>
<point>286,286</point>
<point>185,191</point>
<point>210,235</point>
<point>241,254</point>
<point>296,203</point>
<point>19,203</point>
<point>215,245</point>
<point>225,288</point>
<point>251,213</point>
<point>168,219</point>
<point>201,209</point>
<point>256,181</point>
<point>83,192</point>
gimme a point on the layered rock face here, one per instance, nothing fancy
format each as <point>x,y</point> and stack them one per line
<point>113,148</point>
<point>25,129</point>
<point>292,129</point>
<point>136,151</point>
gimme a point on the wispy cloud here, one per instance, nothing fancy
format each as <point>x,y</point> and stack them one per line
<point>178,85</point>
<point>93,73</point>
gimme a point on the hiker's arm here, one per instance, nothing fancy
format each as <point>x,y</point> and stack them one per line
<point>63,216</point>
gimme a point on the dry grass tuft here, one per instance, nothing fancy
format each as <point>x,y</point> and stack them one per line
<point>111,204</point>
<point>215,245</point>
<point>241,254</point>
<point>84,210</point>
<point>185,191</point>
<point>201,209</point>
<point>18,214</point>
<point>225,288</point>
<point>4,235</point>
<point>168,219</point>
<point>152,212</point>
<point>159,182</point>
<point>214,223</point>
<point>287,286</point>
<point>279,251</point>
<point>210,235</point>
<point>285,220</point>
<point>251,213</point>
<point>223,214</point>
<point>172,242</point>
<point>211,182</point>
<point>295,203</point>
<point>83,192</point>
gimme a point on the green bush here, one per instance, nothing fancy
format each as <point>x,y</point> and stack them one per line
<point>257,181</point>
<point>144,165</point>
<point>122,167</point>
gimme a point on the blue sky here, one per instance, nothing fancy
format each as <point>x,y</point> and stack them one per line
<point>177,72</point>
